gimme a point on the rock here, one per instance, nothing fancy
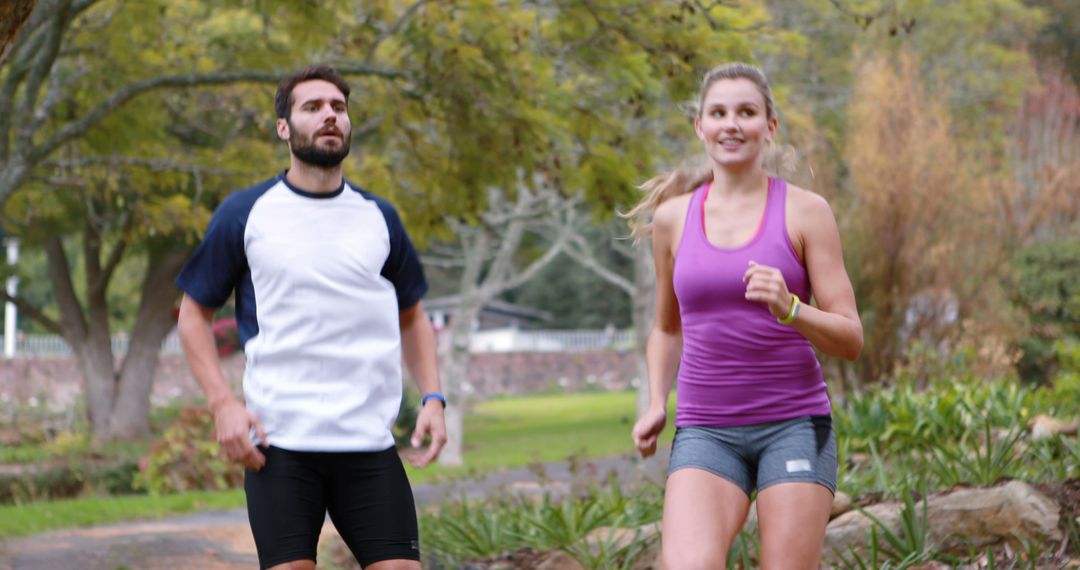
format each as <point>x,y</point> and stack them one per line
<point>1043,426</point>
<point>959,521</point>
<point>621,537</point>
<point>860,460</point>
<point>841,504</point>
<point>559,560</point>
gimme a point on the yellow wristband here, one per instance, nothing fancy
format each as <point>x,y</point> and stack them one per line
<point>794,312</point>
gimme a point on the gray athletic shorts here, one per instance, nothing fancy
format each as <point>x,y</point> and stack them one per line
<point>756,456</point>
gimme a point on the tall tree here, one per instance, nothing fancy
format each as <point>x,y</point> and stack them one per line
<point>923,252</point>
<point>103,149</point>
<point>548,97</point>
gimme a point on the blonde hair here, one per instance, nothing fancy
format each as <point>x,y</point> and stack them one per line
<point>693,173</point>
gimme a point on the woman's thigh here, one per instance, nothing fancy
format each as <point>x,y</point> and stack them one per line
<point>703,514</point>
<point>791,521</point>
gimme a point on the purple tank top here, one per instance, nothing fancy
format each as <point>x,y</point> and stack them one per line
<point>739,365</point>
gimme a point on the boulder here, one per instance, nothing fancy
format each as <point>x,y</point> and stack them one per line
<point>960,520</point>
<point>1043,427</point>
<point>559,560</point>
<point>841,504</point>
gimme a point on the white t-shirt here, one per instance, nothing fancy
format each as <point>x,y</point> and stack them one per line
<point>320,280</point>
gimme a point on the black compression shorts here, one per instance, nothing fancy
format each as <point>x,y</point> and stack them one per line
<point>366,493</point>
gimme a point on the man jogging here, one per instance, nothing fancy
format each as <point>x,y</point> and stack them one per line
<point>327,292</point>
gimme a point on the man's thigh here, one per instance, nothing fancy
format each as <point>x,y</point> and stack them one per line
<point>286,507</point>
<point>371,504</point>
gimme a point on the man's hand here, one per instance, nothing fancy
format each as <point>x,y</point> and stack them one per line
<point>233,424</point>
<point>430,422</point>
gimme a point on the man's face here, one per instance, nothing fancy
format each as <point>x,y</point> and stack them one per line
<point>318,129</point>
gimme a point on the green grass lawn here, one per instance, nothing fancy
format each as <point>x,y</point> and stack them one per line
<point>34,518</point>
<point>514,432</point>
<point>501,433</point>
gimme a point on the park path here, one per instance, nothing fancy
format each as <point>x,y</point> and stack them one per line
<point>221,540</point>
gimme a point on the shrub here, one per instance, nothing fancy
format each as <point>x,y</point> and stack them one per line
<point>227,336</point>
<point>187,458</point>
<point>406,418</point>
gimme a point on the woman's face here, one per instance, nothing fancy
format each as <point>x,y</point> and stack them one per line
<point>733,124</point>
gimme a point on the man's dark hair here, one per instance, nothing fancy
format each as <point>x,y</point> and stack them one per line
<point>283,101</point>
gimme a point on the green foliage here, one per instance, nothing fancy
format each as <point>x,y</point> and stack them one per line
<point>902,418</point>
<point>408,411</point>
<point>613,550</point>
<point>464,531</point>
<point>1045,286</point>
<point>187,458</point>
<point>745,551</point>
<point>905,547</point>
<point>1051,459</point>
<point>1058,39</point>
<point>957,428</point>
<point>981,462</point>
<point>73,477</point>
<point>67,443</point>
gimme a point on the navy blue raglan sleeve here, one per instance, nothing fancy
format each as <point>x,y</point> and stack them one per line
<point>212,273</point>
<point>402,267</point>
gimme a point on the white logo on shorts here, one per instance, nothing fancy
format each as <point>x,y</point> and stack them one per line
<point>794,465</point>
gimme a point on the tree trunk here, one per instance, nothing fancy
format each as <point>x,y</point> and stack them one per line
<point>643,300</point>
<point>130,416</point>
<point>455,373</point>
<point>117,402</point>
<point>99,380</point>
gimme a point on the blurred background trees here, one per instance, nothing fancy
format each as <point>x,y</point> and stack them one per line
<point>945,135</point>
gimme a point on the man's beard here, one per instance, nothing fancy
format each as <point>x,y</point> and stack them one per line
<point>307,150</point>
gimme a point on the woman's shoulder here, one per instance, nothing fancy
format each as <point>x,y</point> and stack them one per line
<point>807,202</point>
<point>672,210</point>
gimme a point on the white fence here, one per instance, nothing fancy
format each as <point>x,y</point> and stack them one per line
<point>29,346</point>
<point>493,340</point>
<point>516,340</point>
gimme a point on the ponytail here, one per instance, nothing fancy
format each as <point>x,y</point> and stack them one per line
<point>663,187</point>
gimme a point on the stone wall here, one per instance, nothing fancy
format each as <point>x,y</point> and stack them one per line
<point>56,382</point>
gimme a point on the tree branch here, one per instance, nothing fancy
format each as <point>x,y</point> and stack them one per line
<point>445,262</point>
<point>393,29</point>
<point>92,257</point>
<point>153,164</point>
<point>863,19</point>
<point>117,253</point>
<point>32,312</point>
<point>124,94</point>
<point>535,267</point>
<point>587,260</point>
<point>72,321</point>
<point>509,237</point>
<point>17,70</point>
<point>366,130</point>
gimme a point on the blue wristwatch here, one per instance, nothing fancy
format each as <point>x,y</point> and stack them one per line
<point>433,395</point>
